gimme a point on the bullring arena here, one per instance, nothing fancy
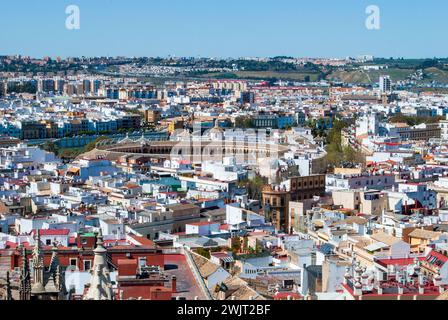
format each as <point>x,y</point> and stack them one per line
<point>191,150</point>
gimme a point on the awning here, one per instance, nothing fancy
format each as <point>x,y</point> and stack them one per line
<point>318,223</point>
<point>227,259</point>
<point>376,246</point>
<point>74,170</point>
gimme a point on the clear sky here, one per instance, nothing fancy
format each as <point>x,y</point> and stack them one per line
<point>229,28</point>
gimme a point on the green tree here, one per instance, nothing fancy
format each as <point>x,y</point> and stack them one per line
<point>50,146</point>
<point>203,252</point>
<point>236,245</point>
<point>334,140</point>
<point>254,186</point>
<point>413,120</point>
<point>92,145</point>
<point>243,122</point>
<point>353,156</point>
<point>336,154</point>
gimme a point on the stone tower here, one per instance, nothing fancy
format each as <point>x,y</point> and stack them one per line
<point>25,278</point>
<point>53,285</point>
<point>38,288</point>
<point>100,283</point>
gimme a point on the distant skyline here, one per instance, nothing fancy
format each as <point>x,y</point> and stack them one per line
<point>234,28</point>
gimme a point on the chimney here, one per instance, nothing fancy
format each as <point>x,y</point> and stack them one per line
<point>421,290</point>
<point>437,280</point>
<point>380,289</point>
<point>347,276</point>
<point>174,284</point>
<point>221,295</point>
<point>358,289</point>
<point>365,279</point>
<point>400,289</point>
<point>421,279</point>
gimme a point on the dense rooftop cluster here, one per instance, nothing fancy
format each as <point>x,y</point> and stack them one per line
<point>116,188</point>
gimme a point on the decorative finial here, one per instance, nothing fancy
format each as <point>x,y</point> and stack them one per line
<point>99,241</point>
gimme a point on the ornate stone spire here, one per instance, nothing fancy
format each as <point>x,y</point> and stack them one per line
<point>54,262</point>
<point>54,282</point>
<point>100,283</point>
<point>25,278</point>
<point>38,268</point>
<point>8,287</point>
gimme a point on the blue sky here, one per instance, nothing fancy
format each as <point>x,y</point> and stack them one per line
<point>230,28</point>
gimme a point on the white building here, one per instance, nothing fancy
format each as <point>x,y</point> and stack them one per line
<point>385,84</point>
<point>236,215</point>
<point>202,228</point>
<point>368,124</point>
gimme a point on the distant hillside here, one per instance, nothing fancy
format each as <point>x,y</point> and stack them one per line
<point>371,77</point>
<point>437,75</point>
<point>300,76</point>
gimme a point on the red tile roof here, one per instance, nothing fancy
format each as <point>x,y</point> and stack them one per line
<point>285,295</point>
<point>397,262</point>
<point>52,232</point>
<point>220,254</point>
<point>142,240</point>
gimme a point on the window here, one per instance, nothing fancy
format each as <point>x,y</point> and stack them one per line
<point>84,241</point>
<point>73,262</point>
<point>142,261</point>
<point>48,242</point>
<point>87,265</point>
